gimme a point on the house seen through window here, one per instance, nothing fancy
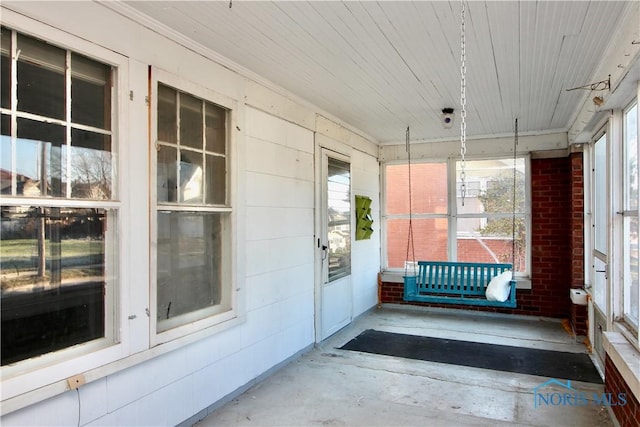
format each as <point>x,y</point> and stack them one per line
<point>489,227</point>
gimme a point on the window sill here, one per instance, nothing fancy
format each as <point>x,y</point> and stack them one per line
<point>626,359</point>
<point>395,276</point>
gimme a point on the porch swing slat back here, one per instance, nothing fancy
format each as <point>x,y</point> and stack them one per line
<point>456,283</point>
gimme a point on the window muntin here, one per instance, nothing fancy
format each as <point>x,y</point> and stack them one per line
<point>188,171</point>
<point>630,267</point>
<point>483,226</point>
<point>61,144</point>
<point>57,256</point>
<point>193,222</point>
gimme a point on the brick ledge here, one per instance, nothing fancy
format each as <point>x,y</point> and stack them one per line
<point>626,359</point>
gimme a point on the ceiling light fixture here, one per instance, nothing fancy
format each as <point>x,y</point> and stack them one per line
<point>447,117</point>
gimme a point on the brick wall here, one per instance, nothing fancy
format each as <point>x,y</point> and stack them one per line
<point>553,261</point>
<point>628,414</point>
<point>578,313</point>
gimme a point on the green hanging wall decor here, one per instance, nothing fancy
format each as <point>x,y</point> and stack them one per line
<point>363,218</point>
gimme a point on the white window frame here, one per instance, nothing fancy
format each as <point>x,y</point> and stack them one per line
<point>36,373</point>
<point>24,384</point>
<point>628,212</point>
<point>592,253</point>
<point>215,321</point>
<point>452,214</point>
<point>613,309</point>
<point>630,331</point>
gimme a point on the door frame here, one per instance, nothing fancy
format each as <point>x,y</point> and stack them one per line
<point>597,269</point>
<point>323,151</point>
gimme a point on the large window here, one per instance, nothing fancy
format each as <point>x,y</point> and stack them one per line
<point>630,268</point>
<point>59,199</point>
<point>193,216</point>
<point>491,226</point>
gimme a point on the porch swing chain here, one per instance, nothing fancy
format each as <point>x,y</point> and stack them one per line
<point>410,245</point>
<point>513,219</point>
<point>463,105</point>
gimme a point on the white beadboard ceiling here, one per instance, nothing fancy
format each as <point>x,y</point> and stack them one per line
<point>383,65</point>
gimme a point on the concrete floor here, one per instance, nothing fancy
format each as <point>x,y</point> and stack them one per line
<point>331,387</point>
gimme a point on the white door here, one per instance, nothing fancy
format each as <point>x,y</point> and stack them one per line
<point>335,303</point>
<point>600,251</point>
<point>599,307</point>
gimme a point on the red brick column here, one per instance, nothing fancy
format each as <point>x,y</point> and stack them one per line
<point>578,312</point>
<point>628,415</point>
<point>551,261</point>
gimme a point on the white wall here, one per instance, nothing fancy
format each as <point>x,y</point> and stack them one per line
<point>366,253</point>
<point>274,207</point>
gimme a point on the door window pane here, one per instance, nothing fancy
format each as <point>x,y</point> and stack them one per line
<point>339,214</point>
<point>600,195</point>
<point>599,283</point>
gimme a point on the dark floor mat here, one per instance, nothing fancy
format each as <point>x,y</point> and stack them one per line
<point>545,363</point>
